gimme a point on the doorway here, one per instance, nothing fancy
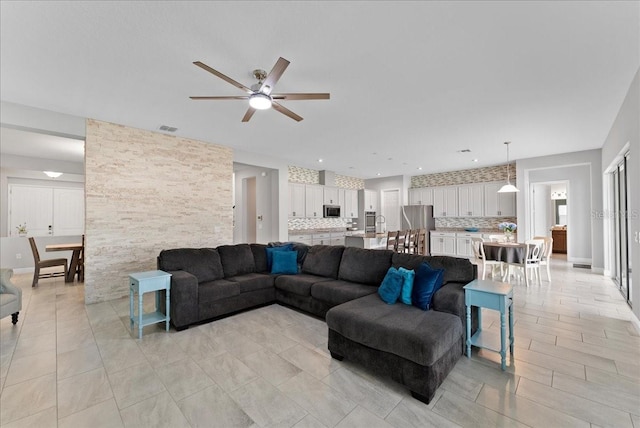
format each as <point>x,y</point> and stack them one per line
<point>621,231</point>
<point>549,207</point>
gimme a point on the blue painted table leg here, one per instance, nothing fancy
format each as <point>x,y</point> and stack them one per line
<point>167,309</point>
<point>503,339</point>
<point>131,314</point>
<point>140,316</point>
<point>468,331</point>
<point>511,327</point>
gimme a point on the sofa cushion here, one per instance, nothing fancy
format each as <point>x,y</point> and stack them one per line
<point>219,289</point>
<point>301,248</point>
<point>364,266</point>
<point>323,260</point>
<point>203,263</point>
<point>298,284</point>
<point>455,269</point>
<point>337,291</point>
<point>403,330</point>
<point>284,262</point>
<point>427,281</point>
<point>253,281</point>
<point>271,250</point>
<point>236,259</point>
<point>389,290</point>
<point>259,257</point>
<point>408,276</point>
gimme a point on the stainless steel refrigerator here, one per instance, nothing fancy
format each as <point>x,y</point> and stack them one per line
<point>418,217</point>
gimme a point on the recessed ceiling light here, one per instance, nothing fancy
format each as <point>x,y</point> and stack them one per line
<point>378,174</point>
<point>420,168</point>
<point>320,160</point>
<point>475,160</point>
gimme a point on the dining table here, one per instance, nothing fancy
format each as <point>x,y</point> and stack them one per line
<point>506,252</point>
<point>76,249</point>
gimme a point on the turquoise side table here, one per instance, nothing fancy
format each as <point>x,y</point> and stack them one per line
<point>491,295</point>
<point>144,282</point>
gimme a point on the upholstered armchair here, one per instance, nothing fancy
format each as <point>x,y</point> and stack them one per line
<point>10,296</point>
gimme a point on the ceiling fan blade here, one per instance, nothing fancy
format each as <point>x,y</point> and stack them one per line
<point>222,76</point>
<point>274,75</point>
<point>248,114</point>
<point>286,111</point>
<point>241,97</point>
<point>310,96</point>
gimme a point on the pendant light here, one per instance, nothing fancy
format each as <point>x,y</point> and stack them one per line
<point>508,188</point>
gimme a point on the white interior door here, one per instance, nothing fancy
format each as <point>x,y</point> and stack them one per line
<point>391,208</point>
<point>68,212</point>
<point>31,205</point>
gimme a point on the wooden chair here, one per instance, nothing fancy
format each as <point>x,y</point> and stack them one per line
<point>545,260</point>
<point>40,264</point>
<point>532,260</point>
<point>421,242</point>
<point>392,240</point>
<point>80,269</point>
<point>410,242</point>
<point>497,238</point>
<point>402,239</point>
<point>478,252</point>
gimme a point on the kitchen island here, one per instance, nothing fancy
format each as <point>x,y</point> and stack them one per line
<point>370,241</point>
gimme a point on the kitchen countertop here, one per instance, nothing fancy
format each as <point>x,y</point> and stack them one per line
<point>314,231</point>
<point>461,230</point>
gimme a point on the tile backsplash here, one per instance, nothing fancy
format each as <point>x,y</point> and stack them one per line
<point>479,222</point>
<point>465,176</point>
<point>316,223</point>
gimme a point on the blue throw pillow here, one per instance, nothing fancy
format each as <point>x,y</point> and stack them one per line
<point>407,285</point>
<point>391,286</point>
<point>271,250</point>
<point>285,262</point>
<point>425,284</point>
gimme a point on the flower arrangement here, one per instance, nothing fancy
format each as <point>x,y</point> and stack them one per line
<point>22,229</point>
<point>506,226</point>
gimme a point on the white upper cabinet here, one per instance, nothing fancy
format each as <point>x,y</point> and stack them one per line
<point>445,201</point>
<point>314,199</point>
<point>369,200</point>
<point>350,207</point>
<point>331,195</point>
<point>296,200</point>
<point>471,200</point>
<point>498,204</point>
<point>421,196</point>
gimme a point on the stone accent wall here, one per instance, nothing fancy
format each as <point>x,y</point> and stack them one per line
<point>465,176</point>
<point>312,176</point>
<point>146,192</point>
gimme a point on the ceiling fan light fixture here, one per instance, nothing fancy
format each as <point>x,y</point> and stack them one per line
<point>260,101</point>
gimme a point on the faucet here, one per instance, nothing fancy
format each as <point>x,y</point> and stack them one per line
<point>383,222</point>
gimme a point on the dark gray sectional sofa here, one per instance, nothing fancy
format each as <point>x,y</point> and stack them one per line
<point>416,348</point>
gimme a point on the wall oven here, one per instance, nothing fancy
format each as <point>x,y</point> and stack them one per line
<point>331,211</point>
<point>370,222</point>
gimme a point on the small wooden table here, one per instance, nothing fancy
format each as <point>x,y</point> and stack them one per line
<point>143,282</point>
<point>491,295</point>
<point>75,257</point>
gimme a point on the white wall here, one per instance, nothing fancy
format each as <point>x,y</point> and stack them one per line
<point>582,171</point>
<point>625,135</point>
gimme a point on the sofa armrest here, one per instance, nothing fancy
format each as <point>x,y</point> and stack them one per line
<point>450,299</point>
<point>184,298</point>
<point>7,287</point>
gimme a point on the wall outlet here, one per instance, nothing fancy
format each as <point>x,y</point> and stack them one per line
<point>18,256</point>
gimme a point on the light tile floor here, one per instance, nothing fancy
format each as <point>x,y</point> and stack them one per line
<point>577,363</point>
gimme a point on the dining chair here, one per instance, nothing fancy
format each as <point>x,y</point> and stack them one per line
<point>403,235</point>
<point>421,242</point>
<point>545,260</point>
<point>478,251</point>
<point>80,269</point>
<point>410,242</point>
<point>531,261</point>
<point>40,264</point>
<point>497,238</point>
<point>392,240</point>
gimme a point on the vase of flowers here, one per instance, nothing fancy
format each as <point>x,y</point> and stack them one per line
<point>22,229</point>
<point>508,228</point>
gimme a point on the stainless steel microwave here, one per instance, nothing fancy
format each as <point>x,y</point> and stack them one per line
<point>331,211</point>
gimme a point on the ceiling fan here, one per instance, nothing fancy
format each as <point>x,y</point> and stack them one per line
<point>260,94</point>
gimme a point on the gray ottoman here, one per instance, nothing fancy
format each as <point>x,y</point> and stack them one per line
<point>414,347</point>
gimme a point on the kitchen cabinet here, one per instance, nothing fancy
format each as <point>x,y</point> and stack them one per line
<point>559,240</point>
<point>443,244</point>
<point>331,195</point>
<point>296,200</point>
<point>471,200</point>
<point>498,204</point>
<point>421,196</point>
<point>445,201</point>
<point>464,245</point>
<point>314,198</point>
<point>368,199</point>
<point>321,239</point>
<point>350,206</point>
<point>304,239</point>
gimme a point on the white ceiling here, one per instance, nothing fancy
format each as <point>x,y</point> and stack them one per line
<point>411,83</point>
<point>37,145</point>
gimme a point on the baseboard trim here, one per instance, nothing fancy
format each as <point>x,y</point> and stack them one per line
<point>597,270</point>
<point>23,270</point>
<point>635,322</point>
